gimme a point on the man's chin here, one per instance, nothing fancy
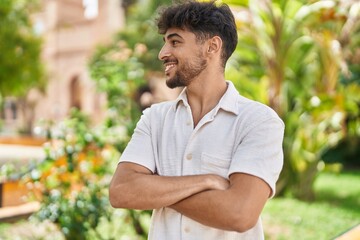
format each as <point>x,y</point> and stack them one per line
<point>172,83</point>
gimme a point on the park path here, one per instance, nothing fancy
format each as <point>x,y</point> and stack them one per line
<point>21,153</point>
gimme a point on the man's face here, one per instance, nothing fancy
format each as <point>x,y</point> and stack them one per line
<point>183,57</point>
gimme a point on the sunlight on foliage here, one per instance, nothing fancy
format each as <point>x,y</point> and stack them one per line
<point>291,56</point>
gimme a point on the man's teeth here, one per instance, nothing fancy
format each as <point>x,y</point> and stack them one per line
<point>168,67</point>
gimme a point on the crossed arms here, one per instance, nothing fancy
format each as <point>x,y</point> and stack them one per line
<point>233,205</point>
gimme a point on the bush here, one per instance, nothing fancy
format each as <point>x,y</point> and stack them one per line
<point>73,179</point>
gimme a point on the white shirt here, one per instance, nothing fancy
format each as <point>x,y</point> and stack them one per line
<point>238,135</point>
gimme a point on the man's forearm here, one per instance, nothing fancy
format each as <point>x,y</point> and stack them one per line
<point>139,190</point>
<point>152,191</point>
<point>209,208</point>
<point>234,209</point>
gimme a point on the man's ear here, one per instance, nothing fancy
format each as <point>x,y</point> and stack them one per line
<point>215,45</point>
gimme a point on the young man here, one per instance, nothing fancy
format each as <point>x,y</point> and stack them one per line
<point>208,161</point>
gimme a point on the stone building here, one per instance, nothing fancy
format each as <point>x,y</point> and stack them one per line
<point>71,30</point>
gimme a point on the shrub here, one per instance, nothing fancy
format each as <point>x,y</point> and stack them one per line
<point>72,181</point>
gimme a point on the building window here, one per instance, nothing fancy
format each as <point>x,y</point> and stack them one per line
<point>91,9</point>
<point>75,93</point>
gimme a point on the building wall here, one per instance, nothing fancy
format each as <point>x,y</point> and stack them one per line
<point>70,39</point>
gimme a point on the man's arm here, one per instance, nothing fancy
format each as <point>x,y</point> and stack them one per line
<point>238,208</point>
<point>134,186</point>
<point>234,209</point>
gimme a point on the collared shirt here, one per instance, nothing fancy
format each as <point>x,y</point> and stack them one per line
<point>237,136</point>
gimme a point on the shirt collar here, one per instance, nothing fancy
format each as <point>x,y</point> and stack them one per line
<point>182,98</point>
<point>228,102</point>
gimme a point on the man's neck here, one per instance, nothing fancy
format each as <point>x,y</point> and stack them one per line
<point>204,94</point>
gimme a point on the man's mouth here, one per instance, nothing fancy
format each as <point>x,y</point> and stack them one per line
<point>169,65</point>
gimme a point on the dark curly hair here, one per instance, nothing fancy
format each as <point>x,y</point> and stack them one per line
<point>205,20</point>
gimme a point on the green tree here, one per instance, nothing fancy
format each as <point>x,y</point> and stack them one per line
<point>20,59</point>
<point>123,66</point>
<point>20,63</point>
<point>290,57</point>
<point>120,69</point>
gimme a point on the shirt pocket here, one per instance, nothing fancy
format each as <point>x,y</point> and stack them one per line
<point>215,165</point>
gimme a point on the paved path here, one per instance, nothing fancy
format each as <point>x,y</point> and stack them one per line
<point>352,234</point>
<point>20,153</point>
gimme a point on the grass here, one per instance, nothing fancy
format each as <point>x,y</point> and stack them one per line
<point>336,209</point>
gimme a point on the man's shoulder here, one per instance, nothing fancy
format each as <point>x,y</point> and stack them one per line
<point>161,108</point>
<point>255,107</point>
<point>256,111</point>
<point>243,106</point>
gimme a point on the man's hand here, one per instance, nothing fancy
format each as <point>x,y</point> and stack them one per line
<point>218,182</point>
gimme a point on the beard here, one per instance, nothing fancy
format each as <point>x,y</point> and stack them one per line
<point>187,72</point>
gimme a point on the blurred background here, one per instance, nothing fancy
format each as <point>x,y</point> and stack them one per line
<point>75,76</point>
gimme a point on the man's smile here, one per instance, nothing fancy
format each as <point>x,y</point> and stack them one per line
<point>169,65</point>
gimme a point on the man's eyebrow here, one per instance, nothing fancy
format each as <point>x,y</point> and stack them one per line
<point>171,36</point>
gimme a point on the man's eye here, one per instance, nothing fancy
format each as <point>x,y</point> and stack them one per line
<point>174,43</point>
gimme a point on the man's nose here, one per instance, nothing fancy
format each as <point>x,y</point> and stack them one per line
<point>164,52</point>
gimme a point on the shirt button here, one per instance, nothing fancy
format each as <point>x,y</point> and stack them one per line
<point>186,229</point>
<point>188,123</point>
<point>189,156</point>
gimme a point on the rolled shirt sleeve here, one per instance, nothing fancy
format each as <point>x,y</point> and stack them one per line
<point>139,149</point>
<point>260,152</point>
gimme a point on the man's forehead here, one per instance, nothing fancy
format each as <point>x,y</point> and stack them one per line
<point>177,32</point>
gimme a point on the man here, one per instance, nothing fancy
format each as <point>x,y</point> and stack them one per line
<point>208,161</point>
